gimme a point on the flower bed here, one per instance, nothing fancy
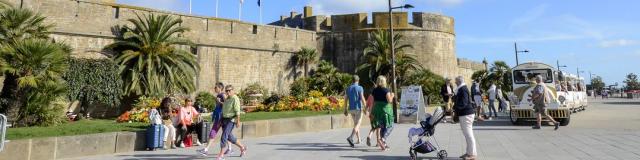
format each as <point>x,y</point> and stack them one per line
<point>290,103</point>
<point>140,111</point>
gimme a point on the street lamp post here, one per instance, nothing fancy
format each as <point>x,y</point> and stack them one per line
<point>515,45</point>
<point>578,71</point>
<point>393,55</point>
<point>558,65</point>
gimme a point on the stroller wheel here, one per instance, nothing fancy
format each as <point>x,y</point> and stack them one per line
<point>412,154</point>
<point>442,154</point>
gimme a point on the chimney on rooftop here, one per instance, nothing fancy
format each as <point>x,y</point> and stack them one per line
<point>282,20</point>
<point>308,11</point>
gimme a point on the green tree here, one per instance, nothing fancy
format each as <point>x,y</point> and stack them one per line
<point>150,63</point>
<point>305,57</point>
<point>597,84</point>
<point>38,66</point>
<point>5,4</point>
<point>632,82</point>
<point>16,25</point>
<point>328,79</point>
<point>430,83</point>
<point>483,78</point>
<point>206,100</point>
<point>93,81</point>
<point>377,56</point>
<point>501,75</point>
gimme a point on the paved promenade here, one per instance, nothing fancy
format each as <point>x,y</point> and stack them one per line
<point>608,129</point>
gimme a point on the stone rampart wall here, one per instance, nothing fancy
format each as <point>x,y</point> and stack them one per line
<point>230,51</point>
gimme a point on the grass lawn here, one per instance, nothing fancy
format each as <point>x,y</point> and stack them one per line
<point>102,125</point>
<point>74,128</point>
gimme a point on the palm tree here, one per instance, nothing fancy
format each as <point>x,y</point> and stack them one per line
<point>502,74</point>
<point>305,57</point>
<point>17,24</point>
<point>5,4</point>
<point>377,56</point>
<point>483,77</point>
<point>150,63</point>
<point>36,64</point>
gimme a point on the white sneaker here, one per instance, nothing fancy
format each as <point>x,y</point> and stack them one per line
<point>229,151</point>
<point>198,143</point>
<point>202,152</point>
<point>181,145</point>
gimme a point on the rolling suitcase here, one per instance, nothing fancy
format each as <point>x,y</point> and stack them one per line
<point>155,136</point>
<point>205,128</point>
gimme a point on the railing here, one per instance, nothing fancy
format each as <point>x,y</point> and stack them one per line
<point>3,130</point>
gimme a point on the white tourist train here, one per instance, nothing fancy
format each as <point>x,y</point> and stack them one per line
<point>566,93</point>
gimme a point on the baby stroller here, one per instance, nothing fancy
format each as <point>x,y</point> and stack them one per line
<point>427,129</point>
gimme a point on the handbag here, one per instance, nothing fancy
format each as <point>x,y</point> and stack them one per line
<point>188,141</point>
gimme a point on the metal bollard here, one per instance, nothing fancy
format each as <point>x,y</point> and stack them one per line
<point>3,130</point>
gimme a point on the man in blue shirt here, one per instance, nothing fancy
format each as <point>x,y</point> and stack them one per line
<point>354,100</point>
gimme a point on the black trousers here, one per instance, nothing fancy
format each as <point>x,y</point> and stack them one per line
<point>182,133</point>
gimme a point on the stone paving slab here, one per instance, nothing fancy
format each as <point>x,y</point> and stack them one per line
<point>496,139</point>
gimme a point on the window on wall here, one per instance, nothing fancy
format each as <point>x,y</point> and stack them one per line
<point>116,12</point>
<point>255,29</point>
<point>194,50</point>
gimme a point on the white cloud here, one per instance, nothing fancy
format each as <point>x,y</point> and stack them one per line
<point>528,38</point>
<point>333,7</point>
<point>529,16</point>
<point>535,25</point>
<point>618,43</point>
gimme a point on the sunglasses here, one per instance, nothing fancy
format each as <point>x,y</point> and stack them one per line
<point>228,90</point>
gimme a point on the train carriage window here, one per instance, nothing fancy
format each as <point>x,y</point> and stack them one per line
<point>527,76</point>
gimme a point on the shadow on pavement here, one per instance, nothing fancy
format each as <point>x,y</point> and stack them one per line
<point>497,129</point>
<point>382,157</point>
<point>164,157</point>
<point>623,103</point>
<point>329,147</point>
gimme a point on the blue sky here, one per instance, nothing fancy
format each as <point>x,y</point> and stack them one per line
<point>597,36</point>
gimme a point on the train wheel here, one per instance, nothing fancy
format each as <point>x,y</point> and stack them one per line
<point>442,154</point>
<point>412,155</point>
<point>565,121</point>
<point>514,118</point>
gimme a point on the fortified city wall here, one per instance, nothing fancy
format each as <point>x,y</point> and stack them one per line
<point>240,53</point>
<point>230,51</point>
<point>341,38</point>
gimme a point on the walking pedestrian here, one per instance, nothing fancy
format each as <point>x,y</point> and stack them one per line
<point>382,112</point>
<point>446,91</point>
<point>477,99</point>
<point>540,100</point>
<point>370,105</point>
<point>185,117</point>
<point>465,112</point>
<point>230,119</point>
<point>216,118</point>
<point>354,99</point>
<point>492,99</point>
<point>501,104</point>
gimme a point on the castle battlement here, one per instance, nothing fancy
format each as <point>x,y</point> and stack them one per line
<point>359,21</point>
